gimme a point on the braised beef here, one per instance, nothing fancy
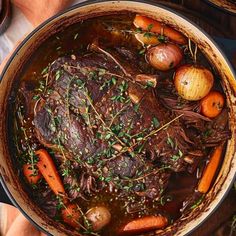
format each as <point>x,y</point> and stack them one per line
<point>87,110</point>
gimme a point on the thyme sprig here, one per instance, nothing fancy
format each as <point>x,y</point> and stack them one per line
<point>87,230</point>
<point>154,132</point>
<point>147,174</point>
<point>103,122</point>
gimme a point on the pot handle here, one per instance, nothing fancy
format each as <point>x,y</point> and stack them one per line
<point>4,198</point>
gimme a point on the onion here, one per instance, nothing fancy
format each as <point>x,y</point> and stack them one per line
<point>164,56</point>
<point>98,217</point>
<point>193,82</point>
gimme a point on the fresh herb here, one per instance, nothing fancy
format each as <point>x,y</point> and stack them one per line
<point>123,86</point>
<point>142,51</point>
<point>36,97</point>
<point>138,30</point>
<point>161,38</point>
<point>147,35</point>
<point>92,75</point>
<point>118,98</point>
<point>207,133</point>
<point>41,87</point>
<point>198,202</point>
<point>66,172</point>
<point>150,26</point>
<point>58,74</point>
<point>60,203</point>
<point>101,71</point>
<point>136,107</point>
<point>45,70</point>
<point>108,179</point>
<point>177,156</point>
<point>170,142</point>
<point>149,84</point>
<point>108,83</point>
<point>155,122</point>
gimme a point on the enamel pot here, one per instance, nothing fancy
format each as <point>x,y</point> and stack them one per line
<point>8,173</point>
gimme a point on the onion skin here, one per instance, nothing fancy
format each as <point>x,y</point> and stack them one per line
<point>193,82</point>
<point>164,56</point>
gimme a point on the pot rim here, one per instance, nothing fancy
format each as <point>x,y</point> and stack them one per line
<point>91,2</point>
<point>225,10</point>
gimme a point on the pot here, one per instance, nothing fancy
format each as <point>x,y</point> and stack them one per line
<point>9,177</point>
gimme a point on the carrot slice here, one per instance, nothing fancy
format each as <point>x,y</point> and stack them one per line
<point>210,170</point>
<point>143,225</point>
<point>71,215</point>
<point>212,104</point>
<point>48,169</point>
<point>33,176</point>
<point>154,26</point>
<point>147,39</point>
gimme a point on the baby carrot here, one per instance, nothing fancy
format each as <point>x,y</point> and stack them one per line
<point>33,176</point>
<point>154,26</point>
<point>48,170</point>
<point>144,224</point>
<point>210,170</point>
<point>212,104</point>
<point>71,215</point>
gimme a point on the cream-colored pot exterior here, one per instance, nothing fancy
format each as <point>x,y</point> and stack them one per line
<point>23,52</point>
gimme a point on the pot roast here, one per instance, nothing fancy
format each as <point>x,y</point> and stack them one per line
<point>95,112</point>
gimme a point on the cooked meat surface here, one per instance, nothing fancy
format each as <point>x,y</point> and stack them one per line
<point>87,116</point>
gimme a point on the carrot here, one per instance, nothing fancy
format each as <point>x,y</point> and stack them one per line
<point>33,176</point>
<point>151,25</point>
<point>210,170</point>
<point>147,39</point>
<point>143,225</point>
<point>49,172</point>
<point>71,215</point>
<point>212,104</point>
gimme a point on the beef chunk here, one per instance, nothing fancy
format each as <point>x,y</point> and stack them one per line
<point>87,110</point>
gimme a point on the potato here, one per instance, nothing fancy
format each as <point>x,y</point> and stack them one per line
<point>99,217</point>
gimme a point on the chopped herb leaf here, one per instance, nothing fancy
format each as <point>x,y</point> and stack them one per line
<point>138,30</point>
<point>150,26</point>
<point>155,122</point>
<point>142,51</point>
<point>198,202</point>
<point>170,142</point>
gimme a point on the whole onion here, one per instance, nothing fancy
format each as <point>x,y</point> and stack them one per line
<point>193,82</point>
<point>164,56</point>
